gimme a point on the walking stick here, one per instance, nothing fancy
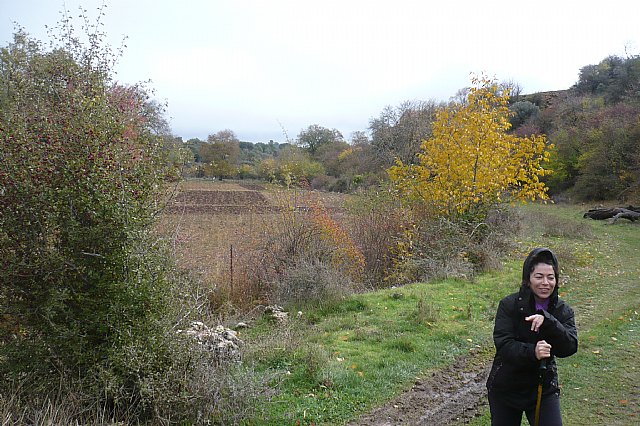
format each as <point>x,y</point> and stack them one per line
<point>542,369</point>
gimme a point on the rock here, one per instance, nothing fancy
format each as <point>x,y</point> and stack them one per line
<point>221,341</point>
<point>276,313</point>
<point>241,325</point>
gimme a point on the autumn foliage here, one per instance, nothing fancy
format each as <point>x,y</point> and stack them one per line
<point>472,162</point>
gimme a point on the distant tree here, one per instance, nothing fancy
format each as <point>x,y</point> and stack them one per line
<point>224,136</point>
<point>178,153</point>
<point>194,145</point>
<point>471,162</point>
<point>314,136</point>
<point>221,154</point>
<point>461,97</point>
<point>514,88</point>
<point>329,155</point>
<point>295,166</point>
<point>614,78</point>
<point>360,138</point>
<point>522,112</point>
<point>398,132</point>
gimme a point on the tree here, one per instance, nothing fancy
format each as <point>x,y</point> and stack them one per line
<point>522,112</point>
<point>83,281</point>
<point>472,162</point>
<point>614,78</point>
<point>398,132</point>
<point>221,154</point>
<point>314,136</point>
<point>359,138</point>
<point>514,88</point>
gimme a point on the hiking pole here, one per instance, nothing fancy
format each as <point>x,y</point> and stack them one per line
<point>542,369</point>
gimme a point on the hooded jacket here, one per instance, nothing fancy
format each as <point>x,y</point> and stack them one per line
<point>514,375</point>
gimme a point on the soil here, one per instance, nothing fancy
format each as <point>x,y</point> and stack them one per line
<point>250,200</point>
<point>454,395</point>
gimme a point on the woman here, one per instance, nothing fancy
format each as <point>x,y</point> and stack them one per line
<point>532,328</point>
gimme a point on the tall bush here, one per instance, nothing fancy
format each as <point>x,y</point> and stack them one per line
<point>83,283</point>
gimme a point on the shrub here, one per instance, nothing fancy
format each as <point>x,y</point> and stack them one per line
<point>310,282</point>
<point>438,248</point>
<point>377,221</point>
<point>303,244</point>
<point>86,288</point>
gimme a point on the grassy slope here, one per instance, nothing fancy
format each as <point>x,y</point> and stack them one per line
<point>335,362</point>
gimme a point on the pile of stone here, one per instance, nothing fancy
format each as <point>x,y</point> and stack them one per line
<point>221,341</point>
<point>276,313</point>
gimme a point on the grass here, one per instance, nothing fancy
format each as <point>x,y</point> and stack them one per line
<point>358,353</point>
<point>341,360</point>
<point>600,382</point>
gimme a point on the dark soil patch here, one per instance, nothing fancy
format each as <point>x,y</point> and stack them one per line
<point>449,396</point>
<point>199,201</point>
<point>224,198</point>
<point>217,202</point>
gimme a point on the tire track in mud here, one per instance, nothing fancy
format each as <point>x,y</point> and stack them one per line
<point>453,395</point>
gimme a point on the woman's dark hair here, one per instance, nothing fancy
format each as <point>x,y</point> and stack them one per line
<point>539,255</point>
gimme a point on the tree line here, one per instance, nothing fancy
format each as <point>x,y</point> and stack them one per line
<point>592,125</point>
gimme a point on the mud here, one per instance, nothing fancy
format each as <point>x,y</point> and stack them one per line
<point>454,395</point>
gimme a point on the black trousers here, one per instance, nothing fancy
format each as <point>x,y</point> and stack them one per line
<point>505,415</point>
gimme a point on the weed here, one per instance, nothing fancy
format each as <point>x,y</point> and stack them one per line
<point>554,226</point>
<point>435,249</point>
<point>426,313</point>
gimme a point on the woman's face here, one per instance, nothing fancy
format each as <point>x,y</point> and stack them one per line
<point>542,280</point>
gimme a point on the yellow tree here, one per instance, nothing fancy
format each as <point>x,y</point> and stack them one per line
<point>471,162</point>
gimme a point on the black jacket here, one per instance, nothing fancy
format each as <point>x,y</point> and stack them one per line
<point>514,374</point>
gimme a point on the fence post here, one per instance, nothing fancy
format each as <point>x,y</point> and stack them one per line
<point>231,267</point>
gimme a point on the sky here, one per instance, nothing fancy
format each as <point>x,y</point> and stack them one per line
<point>268,69</point>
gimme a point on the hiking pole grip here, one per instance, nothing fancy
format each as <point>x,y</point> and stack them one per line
<point>542,369</point>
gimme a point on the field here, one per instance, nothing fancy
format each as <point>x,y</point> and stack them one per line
<point>418,354</point>
<point>216,226</point>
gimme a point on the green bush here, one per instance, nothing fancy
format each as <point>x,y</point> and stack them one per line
<point>85,285</point>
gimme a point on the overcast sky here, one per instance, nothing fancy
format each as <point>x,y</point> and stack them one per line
<point>265,67</point>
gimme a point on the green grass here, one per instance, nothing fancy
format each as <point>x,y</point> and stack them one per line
<point>364,350</point>
<point>335,362</point>
<point>600,382</point>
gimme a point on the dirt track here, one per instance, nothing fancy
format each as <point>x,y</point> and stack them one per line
<point>451,396</point>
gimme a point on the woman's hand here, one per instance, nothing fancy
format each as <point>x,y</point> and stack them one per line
<point>536,321</point>
<point>543,350</point>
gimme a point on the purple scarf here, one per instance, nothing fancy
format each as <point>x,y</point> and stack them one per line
<point>542,306</point>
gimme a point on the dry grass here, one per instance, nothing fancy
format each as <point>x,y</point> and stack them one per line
<point>218,228</point>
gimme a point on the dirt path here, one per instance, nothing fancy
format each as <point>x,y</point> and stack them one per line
<point>449,396</point>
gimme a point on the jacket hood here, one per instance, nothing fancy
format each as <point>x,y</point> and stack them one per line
<point>536,256</point>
